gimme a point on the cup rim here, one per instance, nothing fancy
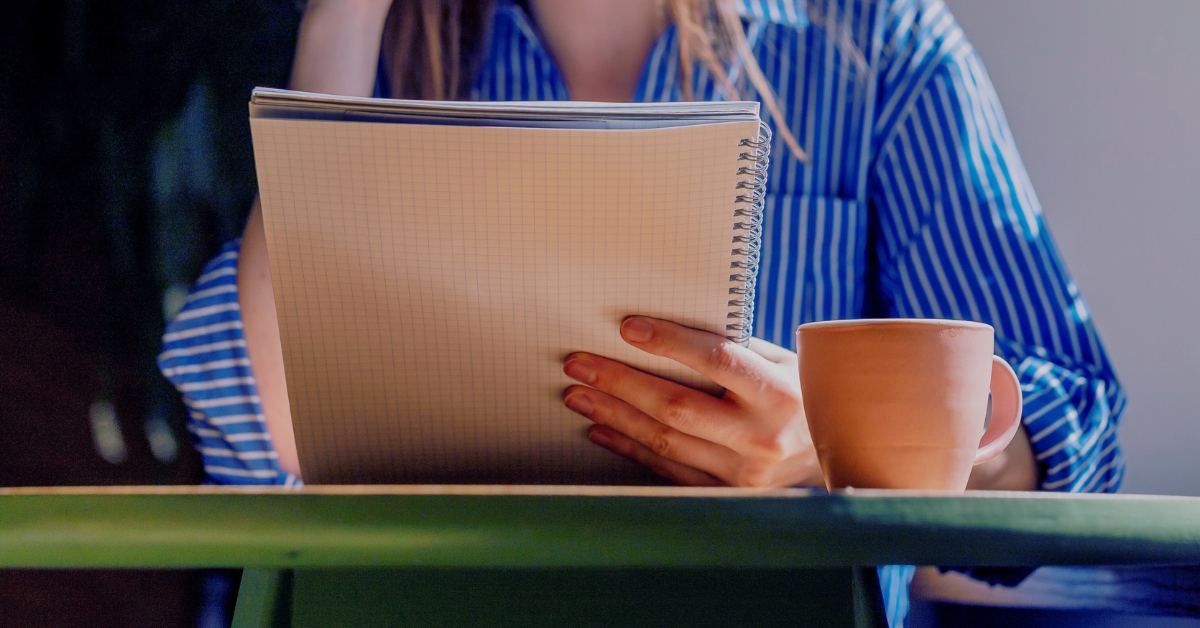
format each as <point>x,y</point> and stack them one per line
<point>865,322</point>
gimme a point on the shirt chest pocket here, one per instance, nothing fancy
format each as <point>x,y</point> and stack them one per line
<point>813,263</point>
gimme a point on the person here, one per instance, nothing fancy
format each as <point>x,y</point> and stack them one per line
<point>895,190</point>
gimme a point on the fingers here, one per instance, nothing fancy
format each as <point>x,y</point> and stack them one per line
<point>658,438</point>
<point>689,411</point>
<point>622,445</point>
<point>754,435</point>
<point>772,351</point>
<point>738,369</point>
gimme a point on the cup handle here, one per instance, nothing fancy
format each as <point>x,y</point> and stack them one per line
<point>1006,411</point>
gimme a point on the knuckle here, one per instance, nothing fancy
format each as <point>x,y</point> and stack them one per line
<point>661,443</point>
<point>724,357</point>
<point>790,404</point>
<point>754,476</point>
<point>770,449</point>
<point>676,410</point>
<point>601,376</point>
<point>608,378</point>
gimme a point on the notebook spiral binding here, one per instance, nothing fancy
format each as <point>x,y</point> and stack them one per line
<point>751,200</point>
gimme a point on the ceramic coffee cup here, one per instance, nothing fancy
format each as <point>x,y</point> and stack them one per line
<point>902,403</point>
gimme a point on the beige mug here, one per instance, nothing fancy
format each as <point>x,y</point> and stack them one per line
<point>903,403</point>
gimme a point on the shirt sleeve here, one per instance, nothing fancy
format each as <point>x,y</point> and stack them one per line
<point>961,236</point>
<point>204,356</point>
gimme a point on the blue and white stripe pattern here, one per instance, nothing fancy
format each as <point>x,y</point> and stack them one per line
<point>914,203</point>
<point>204,356</point>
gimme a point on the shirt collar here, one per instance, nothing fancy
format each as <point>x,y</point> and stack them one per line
<point>788,12</point>
<point>659,77</point>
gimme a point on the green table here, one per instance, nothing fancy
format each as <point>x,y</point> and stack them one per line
<point>455,555</point>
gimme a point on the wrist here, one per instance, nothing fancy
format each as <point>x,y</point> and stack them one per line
<point>1015,469</point>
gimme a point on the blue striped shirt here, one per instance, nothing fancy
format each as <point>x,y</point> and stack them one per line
<point>914,203</point>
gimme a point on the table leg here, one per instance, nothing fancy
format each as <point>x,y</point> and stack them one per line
<point>264,599</point>
<point>869,608</point>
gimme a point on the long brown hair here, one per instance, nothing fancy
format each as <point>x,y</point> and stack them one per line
<point>432,50</point>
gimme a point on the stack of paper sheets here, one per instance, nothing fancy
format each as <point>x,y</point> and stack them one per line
<point>434,263</point>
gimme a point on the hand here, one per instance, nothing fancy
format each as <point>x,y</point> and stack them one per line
<point>1015,469</point>
<point>753,435</point>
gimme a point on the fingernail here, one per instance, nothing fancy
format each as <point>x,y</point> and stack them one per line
<point>636,329</point>
<point>579,402</point>
<point>599,437</point>
<point>580,369</point>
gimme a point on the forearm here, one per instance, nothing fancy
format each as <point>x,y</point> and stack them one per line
<point>337,51</point>
<point>261,330</point>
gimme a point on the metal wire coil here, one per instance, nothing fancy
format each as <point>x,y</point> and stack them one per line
<point>752,201</point>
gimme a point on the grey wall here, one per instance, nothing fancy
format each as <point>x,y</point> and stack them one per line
<point>1104,100</point>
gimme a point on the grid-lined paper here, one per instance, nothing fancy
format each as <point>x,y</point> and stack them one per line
<point>430,280</point>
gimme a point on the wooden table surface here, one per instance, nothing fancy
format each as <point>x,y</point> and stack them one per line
<point>496,526</point>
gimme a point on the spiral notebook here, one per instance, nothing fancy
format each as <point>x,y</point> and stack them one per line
<point>433,263</point>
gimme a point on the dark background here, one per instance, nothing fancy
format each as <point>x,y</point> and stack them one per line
<point>125,162</point>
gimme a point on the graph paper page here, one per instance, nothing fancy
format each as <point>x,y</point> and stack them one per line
<point>430,280</point>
